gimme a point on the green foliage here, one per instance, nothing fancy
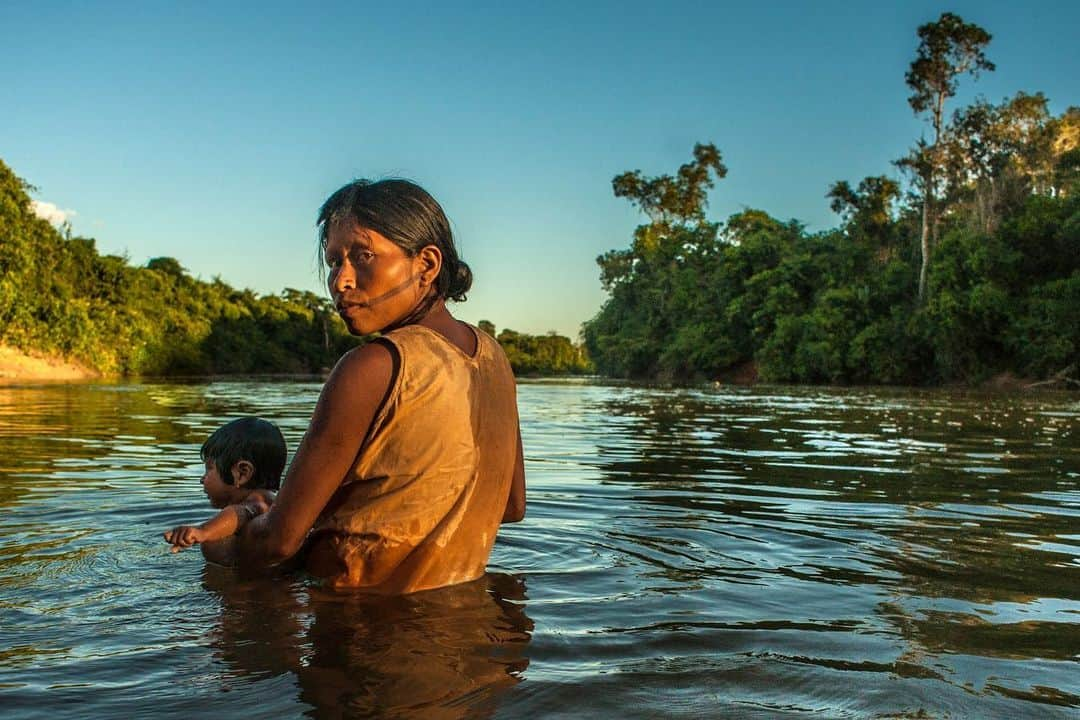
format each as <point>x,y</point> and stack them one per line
<point>1046,336</point>
<point>487,326</point>
<point>59,296</point>
<point>549,354</point>
<point>992,197</point>
<point>700,300</point>
<point>867,212</point>
<point>670,199</point>
<point>948,48</point>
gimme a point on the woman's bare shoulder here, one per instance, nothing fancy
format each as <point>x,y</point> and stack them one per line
<point>356,388</point>
<point>372,359</point>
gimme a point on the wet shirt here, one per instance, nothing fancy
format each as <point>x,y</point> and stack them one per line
<point>423,501</point>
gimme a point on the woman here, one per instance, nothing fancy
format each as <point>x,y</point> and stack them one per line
<point>413,456</point>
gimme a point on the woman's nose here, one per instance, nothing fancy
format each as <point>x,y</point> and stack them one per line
<point>343,278</point>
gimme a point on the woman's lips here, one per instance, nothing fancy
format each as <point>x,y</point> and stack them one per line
<point>347,308</point>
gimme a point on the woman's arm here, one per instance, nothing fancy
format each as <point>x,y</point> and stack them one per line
<point>350,399</point>
<point>515,504</point>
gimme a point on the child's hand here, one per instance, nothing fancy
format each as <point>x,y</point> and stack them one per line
<point>183,536</point>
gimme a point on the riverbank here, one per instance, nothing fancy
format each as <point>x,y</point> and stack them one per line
<point>16,366</point>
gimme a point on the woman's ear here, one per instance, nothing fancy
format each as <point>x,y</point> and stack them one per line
<point>429,261</point>
<point>242,472</point>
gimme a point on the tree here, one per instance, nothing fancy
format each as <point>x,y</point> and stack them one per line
<point>167,265</point>
<point>867,211</point>
<point>671,202</point>
<point>1066,149</point>
<point>947,49</point>
<point>678,199</point>
<point>1002,153</point>
<point>550,354</point>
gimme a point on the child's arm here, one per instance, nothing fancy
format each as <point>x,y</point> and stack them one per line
<point>225,524</point>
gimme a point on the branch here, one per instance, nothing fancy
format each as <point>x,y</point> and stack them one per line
<point>1061,376</point>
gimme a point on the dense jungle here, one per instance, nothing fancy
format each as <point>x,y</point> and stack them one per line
<point>962,266</point>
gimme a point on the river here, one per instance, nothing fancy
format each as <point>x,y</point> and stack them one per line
<point>750,553</point>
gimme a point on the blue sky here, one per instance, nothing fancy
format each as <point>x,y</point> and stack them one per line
<point>213,134</point>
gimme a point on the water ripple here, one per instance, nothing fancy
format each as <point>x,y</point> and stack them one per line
<point>687,553</point>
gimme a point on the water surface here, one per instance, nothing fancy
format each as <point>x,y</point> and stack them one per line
<point>687,553</point>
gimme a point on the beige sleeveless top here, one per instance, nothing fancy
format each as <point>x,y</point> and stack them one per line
<point>421,505</point>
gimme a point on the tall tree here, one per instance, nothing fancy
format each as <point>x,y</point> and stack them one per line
<point>947,49</point>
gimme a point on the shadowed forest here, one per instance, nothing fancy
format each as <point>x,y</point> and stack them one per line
<point>965,269</point>
<point>962,267</point>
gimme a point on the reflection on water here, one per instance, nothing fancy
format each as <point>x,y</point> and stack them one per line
<point>439,654</point>
<point>754,553</point>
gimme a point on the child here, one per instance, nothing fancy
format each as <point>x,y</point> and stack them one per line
<point>244,460</point>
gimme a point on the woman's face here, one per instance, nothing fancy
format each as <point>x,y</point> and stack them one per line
<point>373,283</point>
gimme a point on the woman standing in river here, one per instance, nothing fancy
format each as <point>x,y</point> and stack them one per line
<point>413,456</point>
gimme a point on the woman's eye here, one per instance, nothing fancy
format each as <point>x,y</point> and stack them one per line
<point>364,256</point>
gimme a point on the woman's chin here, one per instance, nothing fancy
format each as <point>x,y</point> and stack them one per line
<point>354,324</point>
<point>366,326</point>
<point>358,329</point>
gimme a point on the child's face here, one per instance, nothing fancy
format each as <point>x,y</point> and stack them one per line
<point>220,493</point>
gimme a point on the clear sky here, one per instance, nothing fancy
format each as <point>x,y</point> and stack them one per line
<point>213,134</point>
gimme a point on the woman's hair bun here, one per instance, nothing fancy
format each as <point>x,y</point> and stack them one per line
<point>459,281</point>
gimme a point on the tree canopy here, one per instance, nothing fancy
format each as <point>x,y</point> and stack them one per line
<point>995,196</point>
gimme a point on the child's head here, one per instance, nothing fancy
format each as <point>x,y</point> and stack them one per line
<point>250,439</point>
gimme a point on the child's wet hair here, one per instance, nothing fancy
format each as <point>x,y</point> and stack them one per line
<point>404,213</point>
<point>258,441</point>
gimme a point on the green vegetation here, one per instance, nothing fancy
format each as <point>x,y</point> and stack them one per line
<point>974,271</point>
<point>60,297</point>
<point>549,354</point>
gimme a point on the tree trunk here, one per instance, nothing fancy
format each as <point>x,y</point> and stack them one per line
<point>981,204</point>
<point>929,213</point>
<point>924,244</point>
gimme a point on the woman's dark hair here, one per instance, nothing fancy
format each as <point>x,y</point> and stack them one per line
<point>253,439</point>
<point>404,213</point>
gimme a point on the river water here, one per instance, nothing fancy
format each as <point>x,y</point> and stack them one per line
<point>751,553</point>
